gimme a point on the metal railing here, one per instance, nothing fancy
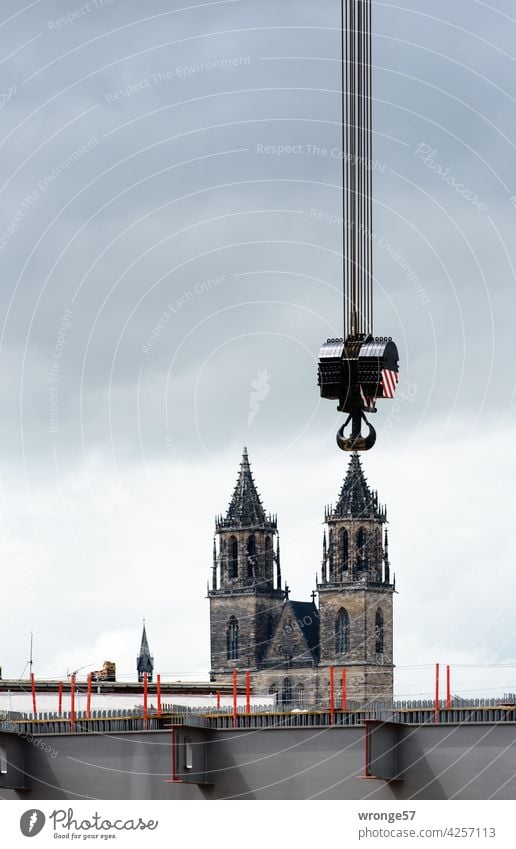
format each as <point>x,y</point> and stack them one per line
<point>260,716</point>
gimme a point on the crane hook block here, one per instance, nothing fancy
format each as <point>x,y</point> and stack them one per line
<point>357,372</point>
<point>356,441</point>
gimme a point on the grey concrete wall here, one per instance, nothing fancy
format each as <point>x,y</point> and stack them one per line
<point>459,762</point>
<point>442,762</point>
<point>12,768</point>
<point>118,766</point>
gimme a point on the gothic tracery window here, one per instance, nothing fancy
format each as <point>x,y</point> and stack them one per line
<point>233,557</point>
<point>362,548</point>
<point>378,630</point>
<point>344,548</point>
<point>232,638</point>
<point>251,555</point>
<point>269,558</point>
<point>300,694</point>
<point>342,632</point>
<point>286,691</point>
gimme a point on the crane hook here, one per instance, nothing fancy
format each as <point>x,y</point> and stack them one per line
<point>356,441</point>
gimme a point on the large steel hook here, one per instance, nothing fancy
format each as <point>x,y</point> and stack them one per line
<point>356,441</point>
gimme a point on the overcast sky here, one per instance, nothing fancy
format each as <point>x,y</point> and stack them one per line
<point>167,279</point>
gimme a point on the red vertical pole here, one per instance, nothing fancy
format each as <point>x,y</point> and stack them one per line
<point>344,691</point>
<point>60,699</point>
<point>332,695</point>
<point>33,685</point>
<point>448,688</point>
<point>88,699</point>
<point>72,703</point>
<point>248,692</point>
<point>367,723</point>
<point>158,694</point>
<point>436,707</point>
<point>145,697</point>
<point>235,698</point>
<point>218,699</point>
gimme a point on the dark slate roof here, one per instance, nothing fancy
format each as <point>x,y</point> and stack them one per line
<point>246,509</point>
<point>144,659</point>
<point>307,616</point>
<point>356,498</point>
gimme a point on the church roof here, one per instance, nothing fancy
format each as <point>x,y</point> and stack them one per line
<point>296,636</point>
<point>246,508</point>
<point>306,612</point>
<point>356,499</point>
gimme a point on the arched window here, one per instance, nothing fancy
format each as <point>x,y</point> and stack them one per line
<point>233,557</point>
<point>300,694</point>
<point>286,691</point>
<point>251,555</point>
<point>344,548</point>
<point>270,627</point>
<point>362,548</point>
<point>378,630</point>
<point>273,691</point>
<point>331,552</point>
<point>232,638</point>
<point>269,558</point>
<point>342,632</point>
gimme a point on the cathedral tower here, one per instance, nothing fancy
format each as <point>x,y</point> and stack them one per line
<point>246,595</point>
<point>356,593</point>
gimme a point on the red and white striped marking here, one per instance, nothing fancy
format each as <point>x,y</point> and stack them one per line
<point>389,382</point>
<point>368,402</point>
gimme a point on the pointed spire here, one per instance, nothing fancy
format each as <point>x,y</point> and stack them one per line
<point>324,571</point>
<point>246,509</point>
<point>214,567</point>
<point>356,498</point>
<point>386,563</point>
<point>144,647</point>
<point>144,661</point>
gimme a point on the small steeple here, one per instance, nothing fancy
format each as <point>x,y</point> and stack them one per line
<point>144,661</point>
<point>325,559</point>
<point>278,565</point>
<point>356,499</point>
<point>386,562</point>
<point>215,563</point>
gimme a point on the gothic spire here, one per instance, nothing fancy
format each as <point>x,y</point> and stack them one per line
<point>356,499</point>
<point>144,661</point>
<point>246,508</point>
<point>386,561</point>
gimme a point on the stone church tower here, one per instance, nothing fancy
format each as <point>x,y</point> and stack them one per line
<point>355,592</point>
<point>246,595</point>
<point>289,646</point>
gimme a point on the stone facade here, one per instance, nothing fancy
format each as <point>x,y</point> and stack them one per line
<point>289,647</point>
